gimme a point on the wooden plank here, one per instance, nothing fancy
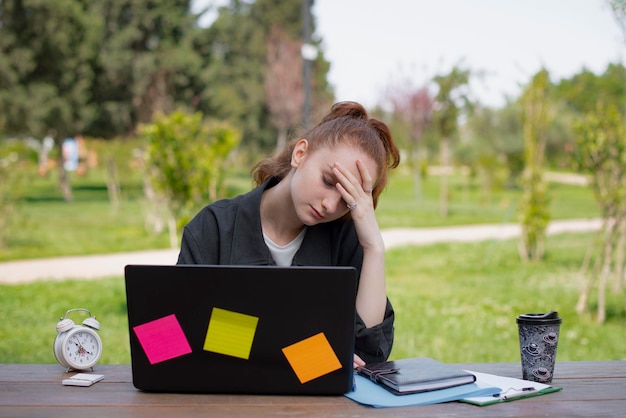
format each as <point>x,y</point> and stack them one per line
<point>103,394</point>
<point>562,370</point>
<point>512,409</point>
<point>590,389</point>
<point>122,373</point>
<point>54,373</point>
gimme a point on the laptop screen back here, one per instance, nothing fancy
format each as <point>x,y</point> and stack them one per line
<point>241,329</point>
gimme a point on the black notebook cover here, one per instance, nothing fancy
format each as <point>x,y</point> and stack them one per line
<point>414,375</point>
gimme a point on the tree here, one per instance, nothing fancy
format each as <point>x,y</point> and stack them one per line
<point>415,108</point>
<point>601,151</point>
<point>47,52</point>
<point>451,101</point>
<point>533,209</point>
<point>234,49</point>
<point>618,8</point>
<point>284,82</point>
<point>585,90</point>
<point>146,62</point>
<point>230,85</point>
<point>492,148</point>
<point>184,163</point>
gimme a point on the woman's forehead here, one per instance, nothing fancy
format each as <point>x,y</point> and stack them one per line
<point>347,155</point>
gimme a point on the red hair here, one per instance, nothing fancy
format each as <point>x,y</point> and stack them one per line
<point>347,123</point>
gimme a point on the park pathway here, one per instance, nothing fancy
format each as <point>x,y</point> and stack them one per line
<point>108,265</point>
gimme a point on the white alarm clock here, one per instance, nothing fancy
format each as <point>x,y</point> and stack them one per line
<point>78,347</point>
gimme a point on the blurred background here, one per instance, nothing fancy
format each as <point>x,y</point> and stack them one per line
<point>120,119</point>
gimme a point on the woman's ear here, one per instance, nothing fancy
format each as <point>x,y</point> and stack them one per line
<point>299,150</point>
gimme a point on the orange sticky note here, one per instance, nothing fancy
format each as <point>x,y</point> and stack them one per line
<point>312,357</point>
<point>230,333</point>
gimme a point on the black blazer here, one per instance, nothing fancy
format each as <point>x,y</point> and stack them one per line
<point>228,232</point>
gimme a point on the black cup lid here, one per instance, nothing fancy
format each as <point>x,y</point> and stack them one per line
<point>550,318</point>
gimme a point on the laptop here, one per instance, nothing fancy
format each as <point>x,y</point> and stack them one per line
<point>241,329</point>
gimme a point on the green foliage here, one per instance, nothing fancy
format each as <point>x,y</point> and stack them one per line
<point>185,158</point>
<point>119,158</point>
<point>234,48</point>
<point>101,68</point>
<point>495,136</point>
<point>585,90</point>
<point>534,214</point>
<point>581,95</point>
<point>602,152</point>
<point>231,82</point>
<point>47,51</point>
<point>452,100</point>
<point>16,168</point>
<point>494,151</point>
<point>146,62</point>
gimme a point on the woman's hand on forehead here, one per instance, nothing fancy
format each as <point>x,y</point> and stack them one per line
<point>354,190</point>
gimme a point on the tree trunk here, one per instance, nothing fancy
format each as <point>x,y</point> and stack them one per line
<point>416,168</point>
<point>586,285</point>
<point>171,226</point>
<point>604,277</point>
<point>113,184</point>
<point>64,181</point>
<point>282,138</point>
<point>620,257</point>
<point>443,191</point>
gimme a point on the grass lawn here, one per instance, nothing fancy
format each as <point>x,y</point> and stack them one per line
<point>458,302</point>
<point>468,205</point>
<point>46,226</point>
<point>453,302</point>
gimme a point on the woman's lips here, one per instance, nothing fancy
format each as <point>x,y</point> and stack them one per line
<point>317,214</point>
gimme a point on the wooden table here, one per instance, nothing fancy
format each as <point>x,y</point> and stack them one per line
<point>590,389</point>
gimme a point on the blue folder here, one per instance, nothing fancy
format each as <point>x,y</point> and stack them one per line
<point>369,393</point>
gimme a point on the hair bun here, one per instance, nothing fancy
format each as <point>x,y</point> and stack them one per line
<point>350,109</point>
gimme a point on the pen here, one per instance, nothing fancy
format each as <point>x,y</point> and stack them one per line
<point>517,394</point>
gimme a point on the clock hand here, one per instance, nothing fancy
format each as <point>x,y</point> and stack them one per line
<point>83,350</point>
<point>81,347</point>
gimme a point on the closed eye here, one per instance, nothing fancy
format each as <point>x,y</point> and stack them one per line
<point>328,182</point>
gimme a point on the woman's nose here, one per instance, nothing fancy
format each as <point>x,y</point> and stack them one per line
<point>332,203</point>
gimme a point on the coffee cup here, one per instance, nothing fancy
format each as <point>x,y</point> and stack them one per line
<point>538,337</point>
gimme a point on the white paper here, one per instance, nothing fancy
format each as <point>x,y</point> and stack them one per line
<point>83,379</point>
<point>506,384</point>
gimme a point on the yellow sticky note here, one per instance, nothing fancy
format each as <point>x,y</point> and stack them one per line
<point>312,357</point>
<point>230,333</point>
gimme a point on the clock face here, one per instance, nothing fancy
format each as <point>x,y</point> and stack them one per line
<point>82,348</point>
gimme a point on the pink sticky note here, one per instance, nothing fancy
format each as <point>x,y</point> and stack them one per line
<point>162,339</point>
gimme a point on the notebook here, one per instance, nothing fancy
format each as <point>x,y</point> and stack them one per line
<point>241,329</point>
<point>414,375</point>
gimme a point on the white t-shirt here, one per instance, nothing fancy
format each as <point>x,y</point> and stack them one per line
<point>283,254</point>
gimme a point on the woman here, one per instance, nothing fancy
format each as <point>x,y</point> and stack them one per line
<point>313,205</point>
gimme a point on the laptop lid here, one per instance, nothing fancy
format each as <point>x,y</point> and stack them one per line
<point>241,329</point>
